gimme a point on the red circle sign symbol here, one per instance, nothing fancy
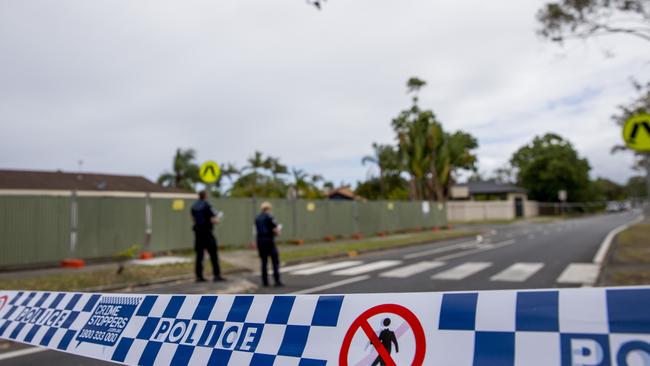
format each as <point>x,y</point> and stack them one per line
<point>362,322</point>
<point>3,301</point>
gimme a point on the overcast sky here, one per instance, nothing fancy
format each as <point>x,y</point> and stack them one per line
<point>121,84</point>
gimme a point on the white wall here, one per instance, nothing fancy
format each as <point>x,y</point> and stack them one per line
<point>459,211</point>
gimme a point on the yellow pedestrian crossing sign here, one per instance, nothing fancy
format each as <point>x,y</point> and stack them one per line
<point>209,172</point>
<point>636,132</point>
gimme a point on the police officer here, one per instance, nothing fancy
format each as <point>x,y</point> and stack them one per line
<point>267,228</point>
<point>204,217</point>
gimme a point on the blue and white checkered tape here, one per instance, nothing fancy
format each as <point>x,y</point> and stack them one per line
<point>586,326</point>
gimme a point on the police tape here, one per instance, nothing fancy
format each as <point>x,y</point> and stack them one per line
<point>586,326</point>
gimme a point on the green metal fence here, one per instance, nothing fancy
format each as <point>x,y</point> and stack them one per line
<point>45,229</point>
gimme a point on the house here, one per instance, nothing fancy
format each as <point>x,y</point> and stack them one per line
<point>58,183</point>
<point>482,200</point>
<point>342,193</point>
<point>487,191</point>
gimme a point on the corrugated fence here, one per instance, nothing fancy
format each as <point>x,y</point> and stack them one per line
<point>43,229</point>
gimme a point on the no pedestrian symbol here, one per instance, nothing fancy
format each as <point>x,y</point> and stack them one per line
<point>636,132</point>
<point>209,172</point>
<point>3,301</point>
<point>395,321</point>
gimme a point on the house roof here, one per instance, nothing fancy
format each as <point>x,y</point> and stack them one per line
<point>491,187</point>
<point>342,191</point>
<point>41,180</point>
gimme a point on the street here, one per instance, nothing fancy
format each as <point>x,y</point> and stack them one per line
<point>517,256</point>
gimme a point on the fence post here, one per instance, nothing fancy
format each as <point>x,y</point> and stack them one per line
<point>74,216</point>
<point>294,218</point>
<point>148,227</point>
<point>355,216</point>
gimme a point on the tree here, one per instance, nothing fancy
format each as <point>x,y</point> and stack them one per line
<point>636,187</point>
<point>583,19</point>
<point>549,164</point>
<point>305,185</point>
<point>185,172</point>
<point>228,171</point>
<point>262,177</point>
<point>606,190</point>
<point>455,154</point>
<point>428,154</point>
<point>387,160</point>
<point>504,175</point>
<point>397,188</point>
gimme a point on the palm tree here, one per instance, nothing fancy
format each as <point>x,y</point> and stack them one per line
<point>185,172</point>
<point>386,159</point>
<point>255,163</point>
<point>300,182</point>
<point>229,171</point>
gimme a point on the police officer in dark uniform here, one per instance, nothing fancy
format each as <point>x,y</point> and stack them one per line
<point>267,229</point>
<point>204,217</point>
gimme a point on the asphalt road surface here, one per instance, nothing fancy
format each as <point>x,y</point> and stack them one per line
<point>517,256</point>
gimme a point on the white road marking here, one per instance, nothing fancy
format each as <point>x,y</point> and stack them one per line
<point>463,245</point>
<point>366,268</point>
<point>462,271</point>
<point>327,268</point>
<point>482,248</point>
<point>531,236</point>
<point>410,270</point>
<point>580,273</point>
<point>604,246</point>
<point>298,267</point>
<point>518,272</point>
<point>20,353</point>
<point>333,285</point>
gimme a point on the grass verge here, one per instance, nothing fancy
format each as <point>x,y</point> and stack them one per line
<point>333,249</point>
<point>80,280</point>
<point>629,261</point>
<point>633,245</point>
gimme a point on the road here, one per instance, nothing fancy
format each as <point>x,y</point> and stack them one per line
<point>516,256</point>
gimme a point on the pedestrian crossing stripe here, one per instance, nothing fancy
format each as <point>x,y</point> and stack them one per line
<point>410,270</point>
<point>515,327</point>
<point>518,272</point>
<point>327,267</point>
<point>575,273</point>
<point>462,271</point>
<point>366,268</point>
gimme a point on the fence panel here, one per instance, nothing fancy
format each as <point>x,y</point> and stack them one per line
<point>237,225</point>
<point>171,224</point>
<point>34,229</point>
<point>341,219</point>
<point>108,225</point>
<point>37,229</point>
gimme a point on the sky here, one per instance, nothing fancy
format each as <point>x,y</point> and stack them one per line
<point>121,84</point>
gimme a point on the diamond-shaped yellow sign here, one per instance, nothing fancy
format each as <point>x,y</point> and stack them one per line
<point>636,132</point>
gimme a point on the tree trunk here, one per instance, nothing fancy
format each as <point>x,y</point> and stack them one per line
<point>382,184</point>
<point>413,189</point>
<point>435,185</point>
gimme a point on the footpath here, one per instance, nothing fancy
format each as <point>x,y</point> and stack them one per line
<point>175,274</point>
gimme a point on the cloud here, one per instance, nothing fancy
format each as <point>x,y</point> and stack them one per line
<point>121,84</point>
